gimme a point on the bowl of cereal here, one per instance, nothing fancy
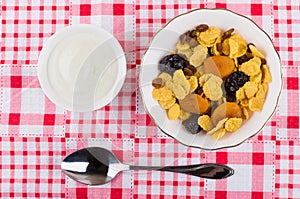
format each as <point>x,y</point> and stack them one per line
<point>211,79</point>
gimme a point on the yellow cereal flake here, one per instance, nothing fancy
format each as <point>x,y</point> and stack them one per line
<point>244,102</point>
<point>165,77</point>
<point>245,112</point>
<point>208,37</point>
<point>237,46</point>
<point>219,126</point>
<point>167,104</point>
<point>197,58</point>
<point>177,89</point>
<point>193,81</point>
<point>251,67</point>
<point>225,47</point>
<point>204,78</point>
<point>162,94</point>
<point>182,46</point>
<point>184,115</point>
<point>265,87</point>
<point>250,89</point>
<point>188,53</point>
<point>266,75</point>
<point>179,78</point>
<point>240,94</point>
<point>174,112</point>
<point>255,52</point>
<point>212,90</point>
<point>256,78</point>
<point>233,124</point>
<point>219,134</point>
<point>256,103</point>
<point>204,122</point>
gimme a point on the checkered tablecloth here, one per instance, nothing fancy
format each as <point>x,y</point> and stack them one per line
<point>35,134</point>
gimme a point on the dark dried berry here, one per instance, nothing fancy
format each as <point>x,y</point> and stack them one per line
<point>209,50</point>
<point>157,82</point>
<point>198,90</point>
<point>171,63</point>
<point>191,124</point>
<point>263,61</point>
<point>219,47</point>
<point>244,59</point>
<point>188,71</point>
<point>230,96</point>
<point>235,81</point>
<point>202,27</point>
<point>227,34</point>
<point>182,38</point>
<point>193,33</point>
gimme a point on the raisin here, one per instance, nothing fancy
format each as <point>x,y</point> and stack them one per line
<point>191,124</point>
<point>227,34</point>
<point>202,27</point>
<point>244,59</point>
<point>157,82</point>
<point>171,63</point>
<point>263,61</point>
<point>235,81</point>
<point>193,43</point>
<point>219,47</point>
<point>230,97</point>
<point>198,90</point>
<point>188,71</point>
<point>193,33</point>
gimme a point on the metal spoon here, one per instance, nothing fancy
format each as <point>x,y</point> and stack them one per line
<point>97,166</point>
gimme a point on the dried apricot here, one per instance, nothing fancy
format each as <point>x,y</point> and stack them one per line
<point>219,65</point>
<point>227,109</point>
<point>194,103</point>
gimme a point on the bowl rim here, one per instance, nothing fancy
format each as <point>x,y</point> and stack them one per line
<point>50,45</point>
<point>277,99</point>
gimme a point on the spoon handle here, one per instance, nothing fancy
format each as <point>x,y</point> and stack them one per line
<point>208,170</point>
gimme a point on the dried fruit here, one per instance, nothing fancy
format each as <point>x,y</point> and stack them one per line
<point>157,83</point>
<point>235,81</point>
<point>227,109</point>
<point>219,65</point>
<point>191,124</point>
<point>194,103</point>
<point>171,63</point>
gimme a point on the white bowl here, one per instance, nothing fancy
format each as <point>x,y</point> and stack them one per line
<point>164,42</point>
<point>81,68</point>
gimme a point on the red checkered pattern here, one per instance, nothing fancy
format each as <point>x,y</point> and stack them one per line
<point>254,165</point>
<point>26,26</point>
<point>156,184</point>
<point>120,187</point>
<point>25,110</point>
<point>35,134</point>
<point>30,167</point>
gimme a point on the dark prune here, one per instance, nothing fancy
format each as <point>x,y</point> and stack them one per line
<point>235,81</point>
<point>171,63</point>
<point>202,27</point>
<point>191,124</point>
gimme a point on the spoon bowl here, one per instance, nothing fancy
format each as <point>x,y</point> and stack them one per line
<point>98,166</point>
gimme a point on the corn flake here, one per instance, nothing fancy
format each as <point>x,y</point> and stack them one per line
<point>182,46</point>
<point>197,58</point>
<point>237,46</point>
<point>233,124</point>
<point>219,134</point>
<point>266,75</point>
<point>255,52</point>
<point>204,122</point>
<point>225,47</point>
<point>174,112</point>
<point>208,37</point>
<point>212,90</point>
<point>180,79</point>
<point>251,67</point>
<point>177,89</point>
<point>193,81</point>
<point>256,103</point>
<point>250,89</point>
<point>165,77</point>
<point>240,94</point>
<point>162,94</point>
<point>167,104</point>
<point>256,78</point>
<point>184,115</point>
<point>219,126</point>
